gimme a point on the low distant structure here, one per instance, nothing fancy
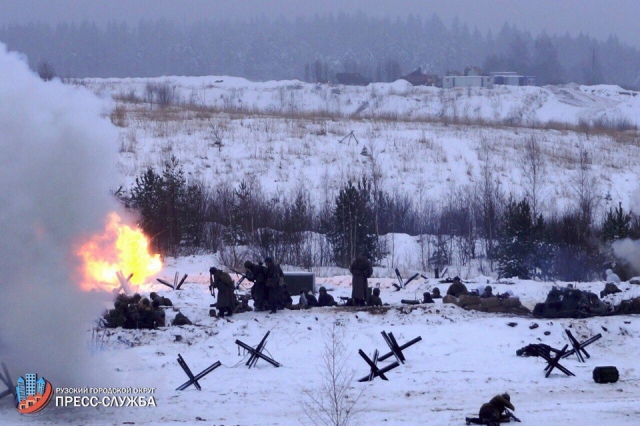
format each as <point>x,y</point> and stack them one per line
<point>510,78</point>
<point>417,78</point>
<point>451,81</point>
<point>476,77</point>
<point>352,79</point>
<point>473,77</point>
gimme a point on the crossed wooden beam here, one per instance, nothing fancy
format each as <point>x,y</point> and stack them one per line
<point>256,353</point>
<point>578,347</point>
<point>375,371</point>
<point>6,379</point>
<point>125,283</point>
<point>396,350</point>
<point>553,361</point>
<point>403,284</point>
<point>176,285</point>
<point>193,380</point>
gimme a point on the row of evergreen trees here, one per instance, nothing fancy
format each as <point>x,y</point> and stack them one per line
<point>317,48</point>
<point>500,230</point>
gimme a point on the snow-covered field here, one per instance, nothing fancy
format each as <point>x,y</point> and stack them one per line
<point>284,135</point>
<point>464,357</point>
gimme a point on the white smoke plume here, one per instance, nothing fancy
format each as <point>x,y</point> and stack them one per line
<point>628,250</point>
<point>57,162</point>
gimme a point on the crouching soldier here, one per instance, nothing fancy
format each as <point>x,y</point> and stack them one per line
<point>375,299</point>
<point>226,299</point>
<point>325,299</point>
<point>311,299</point>
<point>494,411</point>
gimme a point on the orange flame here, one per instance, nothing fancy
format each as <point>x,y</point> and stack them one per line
<point>120,248</point>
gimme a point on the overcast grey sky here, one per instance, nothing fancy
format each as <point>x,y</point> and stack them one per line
<point>598,18</point>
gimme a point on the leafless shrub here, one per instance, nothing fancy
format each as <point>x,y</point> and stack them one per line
<point>334,402</point>
<point>130,96</point>
<point>533,166</point>
<point>619,124</point>
<point>164,94</point>
<point>586,187</point>
<point>119,116</point>
<point>46,71</point>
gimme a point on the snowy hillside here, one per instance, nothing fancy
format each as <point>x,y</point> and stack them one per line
<point>421,141</point>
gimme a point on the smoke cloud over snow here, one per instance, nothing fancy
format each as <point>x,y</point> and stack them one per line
<point>57,161</point>
<point>629,250</point>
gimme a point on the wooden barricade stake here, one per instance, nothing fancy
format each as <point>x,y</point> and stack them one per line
<point>256,353</point>
<point>124,282</point>
<point>553,362</point>
<point>375,371</point>
<point>396,350</point>
<point>193,380</point>
<point>579,348</point>
<point>176,285</point>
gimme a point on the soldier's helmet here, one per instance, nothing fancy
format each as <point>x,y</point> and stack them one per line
<point>153,295</point>
<point>248,264</point>
<point>456,279</point>
<point>322,290</point>
<point>488,289</point>
<point>506,396</point>
<point>436,291</point>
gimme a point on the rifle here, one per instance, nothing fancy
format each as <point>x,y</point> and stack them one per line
<point>511,415</point>
<point>242,278</point>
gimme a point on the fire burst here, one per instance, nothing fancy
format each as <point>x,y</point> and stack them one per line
<point>120,248</point>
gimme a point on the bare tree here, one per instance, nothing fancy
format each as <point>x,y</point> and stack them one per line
<point>334,402</point>
<point>490,202</point>
<point>586,187</point>
<point>533,166</point>
<point>46,71</point>
<point>377,177</point>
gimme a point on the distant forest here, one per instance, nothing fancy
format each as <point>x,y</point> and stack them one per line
<point>314,49</point>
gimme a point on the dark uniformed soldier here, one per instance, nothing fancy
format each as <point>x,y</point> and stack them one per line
<point>257,274</point>
<point>361,270</point>
<point>457,288</point>
<point>158,313</point>
<point>488,292</point>
<point>145,315</point>
<point>492,411</point>
<point>325,299</point>
<point>375,299</point>
<point>311,300</point>
<point>274,280</point>
<point>226,301</point>
<point>180,319</point>
<point>426,297</point>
